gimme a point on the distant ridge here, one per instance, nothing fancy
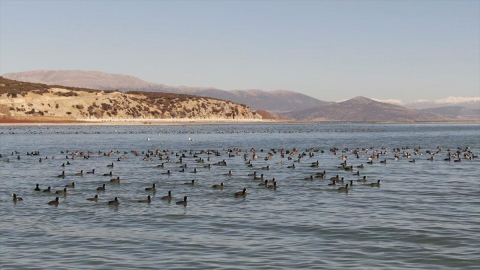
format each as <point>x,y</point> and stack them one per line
<point>362,109</point>
<point>456,112</point>
<point>274,101</point>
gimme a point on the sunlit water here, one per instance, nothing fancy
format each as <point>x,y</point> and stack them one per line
<point>425,215</point>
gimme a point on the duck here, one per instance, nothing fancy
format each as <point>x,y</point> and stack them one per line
<point>16,199</point>
<point>64,191</point>
<point>55,202</point>
<point>364,179</point>
<point>72,185</point>
<point>153,188</point>
<point>218,186</point>
<point>168,197</point>
<point>37,188</point>
<point>264,184</point>
<point>48,190</point>
<point>258,178</point>
<point>184,202</point>
<point>191,183</point>
<point>242,193</point>
<point>94,199</point>
<point>115,202</point>
<point>274,186</point>
<point>377,184</point>
<point>115,180</point>
<point>334,178</point>
<point>343,189</point>
<point>102,188</point>
<point>148,200</point>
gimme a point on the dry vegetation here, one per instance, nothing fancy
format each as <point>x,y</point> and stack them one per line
<point>20,99</point>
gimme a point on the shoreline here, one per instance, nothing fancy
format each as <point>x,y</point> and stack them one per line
<point>177,122</point>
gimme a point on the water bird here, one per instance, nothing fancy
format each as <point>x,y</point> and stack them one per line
<point>61,175</point>
<point>218,186</point>
<point>184,202</point>
<point>190,183</point>
<point>55,202</point>
<point>92,172</point>
<point>115,202</point>
<point>364,179</point>
<point>16,199</point>
<point>108,174</point>
<point>94,199</point>
<point>228,174</point>
<point>102,188</point>
<point>343,189</point>
<point>153,188</point>
<point>80,173</point>
<point>48,190</point>
<point>148,200</point>
<point>264,184</point>
<point>115,180</point>
<point>37,188</point>
<point>258,178</point>
<point>242,193</point>
<point>274,186</point>
<point>168,197</point>
<point>72,185</point>
<point>64,191</point>
<point>377,184</point>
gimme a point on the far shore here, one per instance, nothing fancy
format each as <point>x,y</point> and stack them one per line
<point>168,122</point>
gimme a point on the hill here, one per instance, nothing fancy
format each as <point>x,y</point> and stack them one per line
<point>274,101</point>
<point>363,110</point>
<point>23,99</point>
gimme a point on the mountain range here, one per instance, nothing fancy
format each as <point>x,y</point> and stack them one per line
<point>273,101</point>
<point>362,109</point>
<point>287,104</point>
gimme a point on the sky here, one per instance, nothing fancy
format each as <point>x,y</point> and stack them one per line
<point>330,50</point>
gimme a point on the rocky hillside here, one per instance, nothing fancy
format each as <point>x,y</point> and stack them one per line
<point>274,101</point>
<point>33,99</point>
<point>456,112</point>
<point>363,110</point>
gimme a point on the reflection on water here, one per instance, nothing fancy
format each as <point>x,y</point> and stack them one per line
<point>423,215</point>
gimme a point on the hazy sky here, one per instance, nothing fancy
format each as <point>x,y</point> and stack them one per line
<point>331,50</point>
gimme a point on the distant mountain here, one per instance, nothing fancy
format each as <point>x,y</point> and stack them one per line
<point>456,112</point>
<point>467,102</point>
<point>362,109</point>
<point>274,101</point>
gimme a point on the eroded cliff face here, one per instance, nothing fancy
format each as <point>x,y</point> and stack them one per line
<point>85,104</point>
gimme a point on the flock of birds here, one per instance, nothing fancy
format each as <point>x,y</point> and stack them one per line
<point>255,160</point>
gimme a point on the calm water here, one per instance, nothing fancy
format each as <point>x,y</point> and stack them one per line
<point>425,215</point>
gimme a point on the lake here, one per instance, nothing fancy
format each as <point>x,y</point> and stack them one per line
<point>424,215</point>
